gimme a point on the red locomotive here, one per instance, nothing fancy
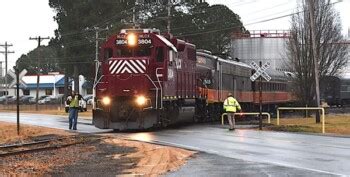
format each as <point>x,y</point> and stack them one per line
<point>150,80</point>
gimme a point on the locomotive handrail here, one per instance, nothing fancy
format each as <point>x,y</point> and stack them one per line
<point>98,81</point>
<point>248,113</point>
<point>149,78</point>
<point>161,88</point>
<point>94,91</point>
<point>302,108</point>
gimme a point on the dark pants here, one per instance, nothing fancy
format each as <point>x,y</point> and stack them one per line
<point>73,118</point>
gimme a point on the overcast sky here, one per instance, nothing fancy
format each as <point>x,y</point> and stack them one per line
<point>21,19</point>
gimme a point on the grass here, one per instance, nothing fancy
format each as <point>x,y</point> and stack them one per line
<point>335,124</point>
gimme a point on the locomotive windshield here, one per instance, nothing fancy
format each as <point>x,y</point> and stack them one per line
<point>140,51</point>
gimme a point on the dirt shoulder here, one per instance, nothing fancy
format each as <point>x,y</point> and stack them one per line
<point>95,155</point>
<point>338,124</point>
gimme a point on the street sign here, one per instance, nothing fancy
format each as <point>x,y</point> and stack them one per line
<point>21,74</point>
<point>260,71</point>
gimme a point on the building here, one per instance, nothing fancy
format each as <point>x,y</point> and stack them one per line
<point>51,84</point>
<point>263,45</point>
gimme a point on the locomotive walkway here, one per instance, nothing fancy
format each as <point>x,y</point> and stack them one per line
<point>225,153</point>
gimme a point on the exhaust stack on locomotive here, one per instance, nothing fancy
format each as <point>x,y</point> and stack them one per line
<point>146,80</point>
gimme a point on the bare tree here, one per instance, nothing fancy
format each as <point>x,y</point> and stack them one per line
<point>330,48</point>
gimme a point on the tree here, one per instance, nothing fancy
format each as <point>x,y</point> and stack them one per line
<point>208,27</point>
<point>75,36</point>
<point>47,58</point>
<point>329,47</point>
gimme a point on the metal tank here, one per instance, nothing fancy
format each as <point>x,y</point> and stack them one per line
<point>266,46</point>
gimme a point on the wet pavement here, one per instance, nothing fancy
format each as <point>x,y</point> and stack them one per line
<point>51,121</point>
<point>244,152</point>
<point>213,165</point>
<point>311,153</point>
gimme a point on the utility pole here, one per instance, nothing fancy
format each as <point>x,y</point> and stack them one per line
<point>315,55</point>
<point>169,16</point>
<point>97,63</point>
<point>39,39</point>
<point>134,17</point>
<point>6,52</point>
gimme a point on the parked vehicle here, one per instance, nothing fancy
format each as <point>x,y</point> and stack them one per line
<point>3,98</point>
<point>25,99</point>
<point>88,99</point>
<point>48,100</point>
<point>33,100</point>
<point>12,100</point>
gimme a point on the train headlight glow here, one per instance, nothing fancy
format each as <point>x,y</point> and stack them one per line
<point>106,100</point>
<point>141,100</point>
<point>132,39</point>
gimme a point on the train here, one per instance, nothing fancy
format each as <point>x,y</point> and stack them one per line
<point>149,79</point>
<point>335,90</point>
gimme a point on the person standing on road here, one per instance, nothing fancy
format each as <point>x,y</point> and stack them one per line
<point>231,106</point>
<point>73,111</point>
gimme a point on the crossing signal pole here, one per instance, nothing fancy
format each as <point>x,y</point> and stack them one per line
<point>39,39</point>
<point>6,52</point>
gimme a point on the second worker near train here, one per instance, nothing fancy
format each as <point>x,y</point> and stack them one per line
<point>231,106</point>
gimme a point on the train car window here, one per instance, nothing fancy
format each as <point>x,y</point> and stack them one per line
<point>159,54</point>
<point>108,53</point>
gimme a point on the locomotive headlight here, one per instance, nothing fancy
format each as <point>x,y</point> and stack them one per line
<point>132,39</point>
<point>106,100</point>
<point>141,100</point>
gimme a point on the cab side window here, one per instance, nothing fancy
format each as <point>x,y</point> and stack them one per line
<point>108,53</point>
<point>159,54</point>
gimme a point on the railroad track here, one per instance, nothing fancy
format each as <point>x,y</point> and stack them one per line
<point>45,145</point>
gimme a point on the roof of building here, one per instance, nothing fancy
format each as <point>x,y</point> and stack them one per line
<point>45,81</point>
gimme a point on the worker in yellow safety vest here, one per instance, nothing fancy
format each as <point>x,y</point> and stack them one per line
<point>231,106</point>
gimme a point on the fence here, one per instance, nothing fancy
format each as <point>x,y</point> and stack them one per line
<point>302,108</point>
<point>248,113</point>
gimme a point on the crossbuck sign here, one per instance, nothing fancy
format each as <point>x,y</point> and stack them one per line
<point>260,71</point>
<point>13,75</point>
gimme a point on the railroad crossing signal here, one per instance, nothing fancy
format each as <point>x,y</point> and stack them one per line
<point>260,71</point>
<point>21,74</point>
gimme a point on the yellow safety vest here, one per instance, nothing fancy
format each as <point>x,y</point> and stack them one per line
<point>231,105</point>
<point>75,102</point>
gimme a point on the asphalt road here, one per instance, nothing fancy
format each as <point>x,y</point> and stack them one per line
<point>225,153</point>
<point>52,121</point>
<point>312,153</point>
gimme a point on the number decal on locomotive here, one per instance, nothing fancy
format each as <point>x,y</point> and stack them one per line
<point>121,42</point>
<point>140,42</point>
<point>145,41</point>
